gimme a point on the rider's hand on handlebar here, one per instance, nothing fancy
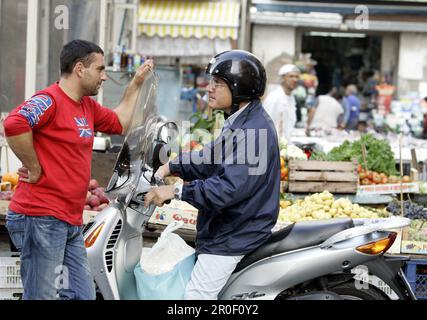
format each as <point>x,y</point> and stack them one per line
<point>159,195</point>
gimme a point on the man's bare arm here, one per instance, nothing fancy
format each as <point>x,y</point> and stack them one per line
<point>125,109</point>
<point>22,146</point>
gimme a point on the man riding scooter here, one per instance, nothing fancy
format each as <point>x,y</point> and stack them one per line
<point>238,206</point>
<point>307,260</point>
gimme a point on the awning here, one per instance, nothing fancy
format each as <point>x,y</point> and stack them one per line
<point>211,19</point>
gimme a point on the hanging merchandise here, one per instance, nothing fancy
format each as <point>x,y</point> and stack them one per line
<point>137,61</point>
<point>385,95</point>
<point>117,59</point>
<point>130,63</point>
<point>123,59</point>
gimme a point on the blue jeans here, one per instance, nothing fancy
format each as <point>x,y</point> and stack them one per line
<point>53,258</point>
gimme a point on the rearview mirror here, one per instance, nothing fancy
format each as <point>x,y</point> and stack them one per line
<point>167,132</point>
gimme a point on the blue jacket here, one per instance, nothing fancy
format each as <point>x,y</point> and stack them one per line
<point>351,108</point>
<point>237,207</point>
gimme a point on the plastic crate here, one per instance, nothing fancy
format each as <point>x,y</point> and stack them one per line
<point>10,275</point>
<point>416,273</point>
<point>11,294</point>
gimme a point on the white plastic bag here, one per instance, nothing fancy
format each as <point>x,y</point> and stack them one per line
<point>168,251</point>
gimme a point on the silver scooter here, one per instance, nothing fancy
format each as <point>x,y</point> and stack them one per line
<point>303,261</point>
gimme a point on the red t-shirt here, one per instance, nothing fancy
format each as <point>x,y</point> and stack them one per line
<point>63,134</point>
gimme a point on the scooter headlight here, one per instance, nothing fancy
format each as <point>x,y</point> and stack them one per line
<point>90,240</point>
<point>379,246</point>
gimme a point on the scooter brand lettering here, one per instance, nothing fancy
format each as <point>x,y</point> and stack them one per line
<point>247,295</point>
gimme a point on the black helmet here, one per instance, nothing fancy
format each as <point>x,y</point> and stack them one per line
<point>242,71</point>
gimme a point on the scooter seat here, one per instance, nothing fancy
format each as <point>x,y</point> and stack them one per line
<point>296,236</point>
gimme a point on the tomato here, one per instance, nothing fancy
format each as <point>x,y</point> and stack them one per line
<point>365,181</point>
<point>376,178</point>
<point>193,144</point>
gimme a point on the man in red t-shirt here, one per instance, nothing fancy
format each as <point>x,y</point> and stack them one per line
<point>52,134</point>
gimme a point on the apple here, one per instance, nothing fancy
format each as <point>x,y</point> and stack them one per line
<point>93,184</point>
<point>103,199</point>
<point>94,201</point>
<point>99,191</point>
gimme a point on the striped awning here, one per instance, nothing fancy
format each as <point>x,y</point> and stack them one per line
<point>211,19</point>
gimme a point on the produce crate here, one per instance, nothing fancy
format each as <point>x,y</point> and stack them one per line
<point>416,273</point>
<point>317,176</point>
<point>10,276</point>
<point>11,294</point>
<point>414,238</point>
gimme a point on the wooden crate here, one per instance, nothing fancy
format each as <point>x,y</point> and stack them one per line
<point>317,176</point>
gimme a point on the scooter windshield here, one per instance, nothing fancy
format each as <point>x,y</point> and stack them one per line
<point>135,156</point>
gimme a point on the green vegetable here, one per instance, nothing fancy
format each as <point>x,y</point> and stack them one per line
<point>200,121</point>
<point>379,156</point>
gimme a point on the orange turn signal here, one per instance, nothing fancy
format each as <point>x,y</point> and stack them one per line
<point>90,240</point>
<point>379,246</point>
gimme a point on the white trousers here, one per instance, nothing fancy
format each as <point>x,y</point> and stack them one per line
<point>209,276</point>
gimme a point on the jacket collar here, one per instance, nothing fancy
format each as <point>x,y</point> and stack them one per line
<point>242,118</point>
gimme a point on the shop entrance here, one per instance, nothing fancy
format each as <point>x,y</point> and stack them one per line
<point>343,58</point>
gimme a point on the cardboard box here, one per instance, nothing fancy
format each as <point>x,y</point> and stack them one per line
<point>414,237</point>
<point>176,211</point>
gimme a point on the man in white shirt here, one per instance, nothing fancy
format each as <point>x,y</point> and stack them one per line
<point>281,105</point>
<point>325,114</point>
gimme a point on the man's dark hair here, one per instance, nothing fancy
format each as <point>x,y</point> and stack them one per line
<point>77,51</point>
